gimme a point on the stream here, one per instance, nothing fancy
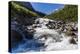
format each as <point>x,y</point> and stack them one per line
<point>42,35</point>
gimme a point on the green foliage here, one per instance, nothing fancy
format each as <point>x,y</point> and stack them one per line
<point>16,8</point>
<point>68,13</point>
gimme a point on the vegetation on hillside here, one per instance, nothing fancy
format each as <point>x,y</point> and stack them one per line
<point>68,13</point>
<point>21,10</point>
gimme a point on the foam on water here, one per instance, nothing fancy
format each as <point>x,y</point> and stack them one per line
<point>50,37</point>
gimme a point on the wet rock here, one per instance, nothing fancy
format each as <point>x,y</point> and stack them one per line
<point>40,44</point>
<point>72,41</point>
<point>74,29</point>
<point>15,38</point>
<point>51,25</point>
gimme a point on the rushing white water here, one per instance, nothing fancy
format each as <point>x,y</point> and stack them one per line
<point>52,39</point>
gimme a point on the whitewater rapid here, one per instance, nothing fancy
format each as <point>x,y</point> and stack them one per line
<point>50,39</point>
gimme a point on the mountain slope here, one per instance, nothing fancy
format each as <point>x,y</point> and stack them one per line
<point>68,13</point>
<point>29,6</point>
<point>24,15</point>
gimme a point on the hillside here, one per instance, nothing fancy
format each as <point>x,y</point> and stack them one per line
<point>29,6</point>
<point>68,13</point>
<point>24,14</point>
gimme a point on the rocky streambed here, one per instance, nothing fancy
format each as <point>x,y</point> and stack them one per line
<point>44,35</point>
